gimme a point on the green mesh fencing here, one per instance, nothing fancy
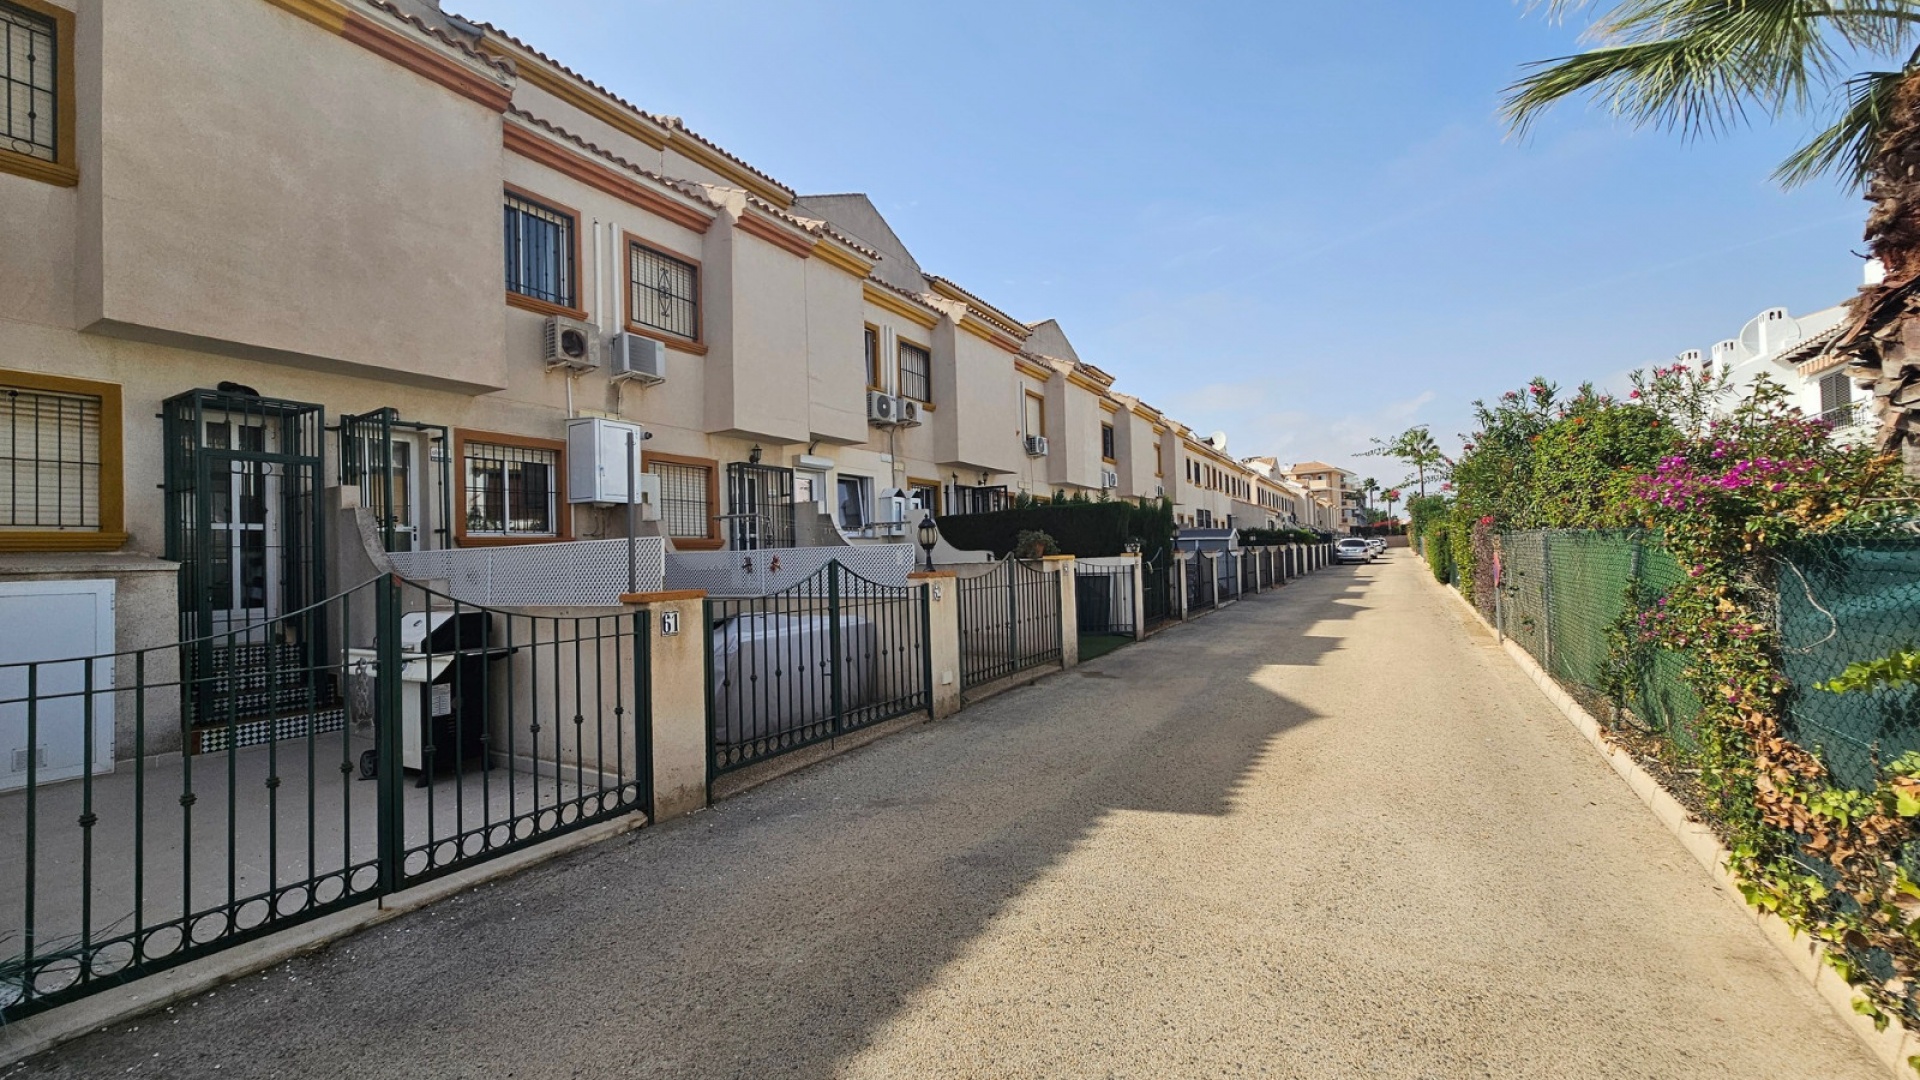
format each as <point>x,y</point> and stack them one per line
<point>1571,598</point>
<point>1842,601</point>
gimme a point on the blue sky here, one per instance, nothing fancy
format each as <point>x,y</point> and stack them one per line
<point>1302,224</point>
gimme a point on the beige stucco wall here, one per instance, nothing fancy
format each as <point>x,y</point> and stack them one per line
<point>982,428</point>
<point>1073,422</point>
<point>268,202</point>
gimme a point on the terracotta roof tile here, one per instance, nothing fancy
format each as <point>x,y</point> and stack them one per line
<point>441,36</point>
<point>812,226</point>
<point>672,123</point>
<point>992,314</point>
<point>913,296</point>
<point>691,190</point>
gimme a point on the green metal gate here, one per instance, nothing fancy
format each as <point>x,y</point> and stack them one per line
<point>471,732</point>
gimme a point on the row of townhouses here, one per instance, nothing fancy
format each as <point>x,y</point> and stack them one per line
<point>268,266</point>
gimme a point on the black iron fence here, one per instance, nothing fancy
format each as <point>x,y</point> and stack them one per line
<point>1103,596</point>
<point>830,655</point>
<point>1203,590</point>
<point>1226,572</point>
<point>1009,620</point>
<point>1157,585</point>
<point>407,734</point>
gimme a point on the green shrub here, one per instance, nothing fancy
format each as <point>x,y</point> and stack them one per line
<point>1439,549</point>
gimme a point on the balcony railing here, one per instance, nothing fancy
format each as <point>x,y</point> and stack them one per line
<point>1853,414</point>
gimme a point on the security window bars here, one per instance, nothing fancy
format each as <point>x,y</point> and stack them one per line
<point>540,255</point>
<point>916,372</point>
<point>666,293</point>
<point>685,509</point>
<point>49,459</point>
<point>28,51</point>
<point>1106,442</point>
<point>511,490</point>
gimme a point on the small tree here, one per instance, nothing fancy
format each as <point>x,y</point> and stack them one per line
<point>1416,448</point>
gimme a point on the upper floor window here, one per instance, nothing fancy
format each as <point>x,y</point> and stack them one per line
<point>30,123</point>
<point>916,372</point>
<point>876,379</point>
<point>665,292</point>
<point>1106,442</point>
<point>36,91</point>
<point>512,490</point>
<point>59,463</point>
<point>1035,417</point>
<point>1836,396</point>
<point>542,254</point>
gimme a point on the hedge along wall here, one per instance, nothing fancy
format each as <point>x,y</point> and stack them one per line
<point>1090,530</point>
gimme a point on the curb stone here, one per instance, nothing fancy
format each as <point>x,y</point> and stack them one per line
<point>1894,1045</point>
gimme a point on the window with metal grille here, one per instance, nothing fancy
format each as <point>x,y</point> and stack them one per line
<point>28,53</point>
<point>916,372</point>
<point>539,251</point>
<point>666,293</point>
<point>49,460</point>
<point>511,490</point>
<point>685,511</point>
<point>1106,442</point>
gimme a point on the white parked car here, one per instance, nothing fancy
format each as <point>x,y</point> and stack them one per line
<point>1352,549</point>
<point>1377,545</point>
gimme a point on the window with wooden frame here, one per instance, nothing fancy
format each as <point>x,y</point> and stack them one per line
<point>1106,443</point>
<point>60,464</point>
<point>876,378</point>
<point>1159,462</point>
<point>916,372</point>
<point>543,255</point>
<point>1035,416</point>
<point>689,491</point>
<point>928,492</point>
<point>511,488</point>
<point>36,92</point>
<point>663,293</point>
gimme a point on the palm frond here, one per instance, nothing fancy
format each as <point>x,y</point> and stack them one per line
<point>1698,66</point>
<point>1847,148</point>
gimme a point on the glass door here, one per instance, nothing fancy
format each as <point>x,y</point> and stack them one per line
<point>243,508</point>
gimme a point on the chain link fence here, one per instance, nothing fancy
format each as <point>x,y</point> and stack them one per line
<point>1583,604</point>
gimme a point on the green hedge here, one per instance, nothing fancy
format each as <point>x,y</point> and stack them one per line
<point>1090,530</point>
<point>1438,541</point>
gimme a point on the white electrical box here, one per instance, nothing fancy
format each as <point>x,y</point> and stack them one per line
<point>56,621</point>
<point>597,460</point>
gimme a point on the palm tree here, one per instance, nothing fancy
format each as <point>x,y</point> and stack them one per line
<point>1698,66</point>
<point>1416,447</point>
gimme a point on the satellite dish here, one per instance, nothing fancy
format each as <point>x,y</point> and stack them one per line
<point>1218,440</point>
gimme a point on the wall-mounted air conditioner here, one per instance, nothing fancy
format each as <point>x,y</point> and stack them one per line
<point>570,343</point>
<point>637,357</point>
<point>908,410</point>
<point>883,410</point>
<point>1109,478</point>
<point>1036,446</point>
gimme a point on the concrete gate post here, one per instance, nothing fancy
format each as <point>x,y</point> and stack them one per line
<point>942,590</point>
<point>1139,597</point>
<point>677,686</point>
<point>1062,567</point>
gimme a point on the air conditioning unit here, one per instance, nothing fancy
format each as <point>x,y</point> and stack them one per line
<point>570,343</point>
<point>908,410</point>
<point>1036,446</point>
<point>883,410</point>
<point>1109,478</point>
<point>637,357</point>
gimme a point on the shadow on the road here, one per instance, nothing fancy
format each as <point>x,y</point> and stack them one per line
<point>777,933</point>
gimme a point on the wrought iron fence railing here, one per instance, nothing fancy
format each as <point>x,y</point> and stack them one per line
<point>831,654</point>
<point>1009,620</point>
<point>1103,596</point>
<point>1157,585</point>
<point>403,735</point>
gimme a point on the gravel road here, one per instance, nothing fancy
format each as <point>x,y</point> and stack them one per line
<point>1327,832</point>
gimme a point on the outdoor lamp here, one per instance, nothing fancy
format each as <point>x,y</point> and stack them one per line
<point>929,535</point>
<point>1133,547</point>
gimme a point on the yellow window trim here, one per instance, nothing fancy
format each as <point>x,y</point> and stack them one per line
<point>112,533</point>
<point>64,170</point>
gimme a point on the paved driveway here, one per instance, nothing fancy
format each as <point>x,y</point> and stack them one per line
<point>1327,832</point>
